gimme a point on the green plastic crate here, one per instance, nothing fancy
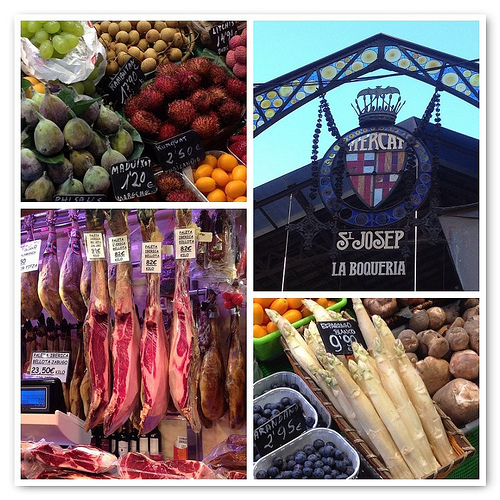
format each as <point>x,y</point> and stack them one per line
<point>269,347</point>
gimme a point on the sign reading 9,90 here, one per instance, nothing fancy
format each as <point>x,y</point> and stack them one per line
<point>338,336</point>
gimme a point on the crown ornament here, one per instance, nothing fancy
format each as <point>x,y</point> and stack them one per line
<point>378,105</point>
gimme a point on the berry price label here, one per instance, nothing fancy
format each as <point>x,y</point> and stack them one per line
<point>133,179</point>
<point>127,81</point>
<point>50,364</point>
<point>221,34</point>
<point>119,249</point>
<point>179,152</point>
<point>151,257</point>
<point>94,246</point>
<point>281,429</point>
<point>185,243</point>
<point>30,255</point>
<point>338,336</point>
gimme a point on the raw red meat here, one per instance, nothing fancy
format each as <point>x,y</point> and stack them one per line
<point>79,458</point>
<point>55,473</point>
<point>125,339</point>
<point>154,343</point>
<point>138,466</point>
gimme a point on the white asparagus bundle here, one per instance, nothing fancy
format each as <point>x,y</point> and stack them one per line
<point>361,354</point>
<point>371,422</point>
<point>391,418</point>
<point>393,385</point>
<point>386,338</point>
<point>365,323</point>
<point>424,406</point>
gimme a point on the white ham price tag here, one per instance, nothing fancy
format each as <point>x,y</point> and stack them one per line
<point>30,255</point>
<point>118,249</point>
<point>151,257</point>
<point>185,243</point>
<point>50,364</point>
<point>94,246</point>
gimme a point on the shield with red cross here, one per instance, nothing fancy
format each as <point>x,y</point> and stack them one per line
<point>374,174</point>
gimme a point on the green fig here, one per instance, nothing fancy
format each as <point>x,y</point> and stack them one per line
<point>31,168</point>
<point>96,180</point>
<point>81,161</point>
<point>71,186</point>
<point>92,112</point>
<point>110,157</point>
<point>107,122</point>
<point>54,108</point>
<point>41,189</point>
<point>59,172</point>
<point>49,139</point>
<point>98,146</point>
<point>77,133</point>
<point>122,142</point>
<point>29,108</point>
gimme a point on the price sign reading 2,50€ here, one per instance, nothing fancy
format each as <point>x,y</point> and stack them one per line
<point>338,336</point>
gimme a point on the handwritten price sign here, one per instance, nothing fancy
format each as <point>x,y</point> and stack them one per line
<point>94,246</point>
<point>221,34</point>
<point>338,336</point>
<point>52,364</point>
<point>133,179</point>
<point>183,150</point>
<point>30,254</point>
<point>185,243</point>
<point>127,81</point>
<point>151,257</point>
<point>118,249</point>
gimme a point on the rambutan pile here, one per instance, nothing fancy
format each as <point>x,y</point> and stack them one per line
<point>167,182</point>
<point>181,195</point>
<point>194,95</point>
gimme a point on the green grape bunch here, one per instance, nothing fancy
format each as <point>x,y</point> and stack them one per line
<point>54,39</point>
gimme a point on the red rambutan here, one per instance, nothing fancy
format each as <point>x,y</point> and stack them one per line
<point>132,105</point>
<point>181,195</point>
<point>201,100</point>
<point>181,112</point>
<point>230,111</point>
<point>218,75</point>
<point>145,122</point>
<point>189,80</point>
<point>168,85</point>
<point>217,95</point>
<point>167,130</point>
<point>167,182</point>
<point>200,65</point>
<point>151,98</point>
<point>206,126</point>
<point>236,89</point>
<point>166,67</point>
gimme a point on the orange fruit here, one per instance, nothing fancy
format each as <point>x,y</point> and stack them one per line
<point>293,315</point>
<point>205,184</point>
<point>220,176</point>
<point>258,314</point>
<point>294,303</point>
<point>271,327</point>
<point>227,161</point>
<point>204,170</point>
<point>234,189</point>
<point>322,302</point>
<point>331,302</point>
<point>210,160</point>
<point>259,331</point>
<point>240,199</point>
<point>305,311</point>
<point>239,173</point>
<point>279,305</point>
<point>216,195</point>
<point>263,302</point>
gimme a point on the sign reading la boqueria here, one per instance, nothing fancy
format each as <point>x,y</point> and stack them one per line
<point>373,180</point>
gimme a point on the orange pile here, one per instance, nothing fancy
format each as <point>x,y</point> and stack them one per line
<point>291,309</point>
<point>222,178</point>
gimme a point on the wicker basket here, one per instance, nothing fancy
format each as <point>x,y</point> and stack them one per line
<point>458,441</point>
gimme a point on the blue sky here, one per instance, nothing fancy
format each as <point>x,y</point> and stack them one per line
<point>283,46</point>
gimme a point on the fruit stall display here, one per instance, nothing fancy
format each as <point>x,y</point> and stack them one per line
<point>384,370</point>
<point>108,108</point>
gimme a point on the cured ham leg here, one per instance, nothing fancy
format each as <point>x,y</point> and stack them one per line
<point>71,272</point>
<point>212,379</point>
<point>48,279</point>
<point>31,307</point>
<point>85,281</point>
<point>125,338</point>
<point>97,334</point>
<point>235,376</point>
<point>182,336</point>
<point>154,342</point>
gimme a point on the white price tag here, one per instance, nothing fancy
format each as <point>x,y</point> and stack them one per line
<point>185,243</point>
<point>151,257</point>
<point>94,246</point>
<point>50,364</point>
<point>30,255</point>
<point>118,249</point>
<point>167,249</point>
<point>205,237</point>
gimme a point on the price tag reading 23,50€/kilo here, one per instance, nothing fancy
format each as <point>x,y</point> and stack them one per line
<point>151,257</point>
<point>185,243</point>
<point>118,249</point>
<point>50,364</point>
<point>277,431</point>
<point>94,246</point>
<point>338,336</point>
